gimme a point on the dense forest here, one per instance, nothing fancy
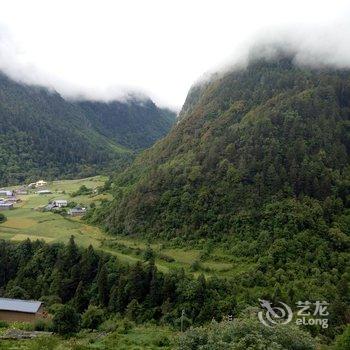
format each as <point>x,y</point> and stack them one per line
<point>44,135</point>
<point>135,125</point>
<point>259,165</point>
<point>84,288</point>
<point>66,274</point>
<point>272,134</point>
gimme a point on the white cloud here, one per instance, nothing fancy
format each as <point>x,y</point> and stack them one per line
<point>101,49</point>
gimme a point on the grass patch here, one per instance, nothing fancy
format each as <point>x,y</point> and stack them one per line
<point>27,222</point>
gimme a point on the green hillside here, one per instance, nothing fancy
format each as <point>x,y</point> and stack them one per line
<point>135,125</point>
<point>271,135</point>
<point>258,165</point>
<point>44,135</point>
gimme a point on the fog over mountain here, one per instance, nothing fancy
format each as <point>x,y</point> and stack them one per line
<point>107,55</point>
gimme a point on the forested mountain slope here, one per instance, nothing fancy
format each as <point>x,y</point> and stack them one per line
<point>258,166</point>
<point>42,134</point>
<point>268,138</point>
<point>135,125</point>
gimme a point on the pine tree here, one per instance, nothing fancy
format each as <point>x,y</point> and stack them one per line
<point>102,285</point>
<point>72,256</point>
<point>89,263</point>
<point>80,299</point>
<point>56,284</point>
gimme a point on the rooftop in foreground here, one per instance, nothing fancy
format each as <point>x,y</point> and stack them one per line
<point>18,305</point>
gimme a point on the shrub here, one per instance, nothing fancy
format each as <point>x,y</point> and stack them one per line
<point>195,266</point>
<point>247,333</point>
<point>161,341</point>
<point>54,308</point>
<point>109,326</point>
<point>43,343</point>
<point>83,190</point>
<point>43,325</point>
<point>51,300</point>
<point>342,342</point>
<point>66,320</point>
<point>148,254</point>
<point>165,257</point>
<point>2,218</point>
<point>3,324</point>
<point>92,317</point>
<point>126,326</point>
<point>24,326</point>
<point>17,292</point>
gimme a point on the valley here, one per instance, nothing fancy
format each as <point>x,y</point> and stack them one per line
<point>27,221</point>
<point>243,204</point>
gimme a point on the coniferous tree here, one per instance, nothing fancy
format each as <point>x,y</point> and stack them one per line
<point>80,299</point>
<point>102,285</point>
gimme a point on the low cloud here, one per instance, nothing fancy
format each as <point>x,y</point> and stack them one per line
<point>313,46</point>
<point>112,51</point>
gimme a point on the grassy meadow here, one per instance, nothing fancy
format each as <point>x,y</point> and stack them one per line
<point>27,221</point>
<point>133,337</point>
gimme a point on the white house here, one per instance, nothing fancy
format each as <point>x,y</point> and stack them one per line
<point>6,206</point>
<point>44,192</point>
<point>77,211</point>
<point>40,183</point>
<point>8,193</point>
<point>60,203</point>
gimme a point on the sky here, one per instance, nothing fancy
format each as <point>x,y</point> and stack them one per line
<point>105,49</point>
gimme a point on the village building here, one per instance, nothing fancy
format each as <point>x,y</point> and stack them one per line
<point>60,203</point>
<point>6,206</point>
<point>7,193</point>
<point>12,200</point>
<point>40,183</point>
<point>21,192</point>
<point>77,211</point>
<point>49,207</point>
<point>16,310</point>
<point>41,192</point>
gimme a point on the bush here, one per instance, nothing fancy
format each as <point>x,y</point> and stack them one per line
<point>195,266</point>
<point>83,190</point>
<point>92,317</point>
<point>50,300</point>
<point>342,342</point>
<point>3,324</point>
<point>165,257</point>
<point>66,320</point>
<point>161,341</point>
<point>125,326</point>
<point>54,308</point>
<point>43,325</point>
<point>24,326</point>
<point>247,333</point>
<point>17,292</point>
<point>2,218</point>
<point>148,254</point>
<point>109,326</point>
<point>43,343</point>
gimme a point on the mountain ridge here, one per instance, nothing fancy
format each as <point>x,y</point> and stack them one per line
<point>213,143</point>
<point>43,134</point>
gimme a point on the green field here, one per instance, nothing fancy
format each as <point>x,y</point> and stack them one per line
<point>140,337</point>
<point>28,221</point>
